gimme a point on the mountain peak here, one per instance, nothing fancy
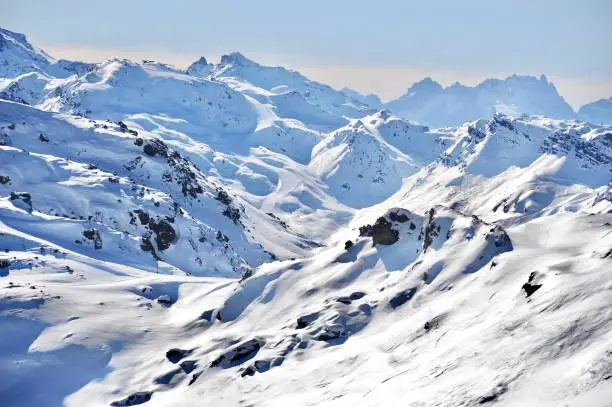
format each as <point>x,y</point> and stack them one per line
<point>425,85</point>
<point>427,102</point>
<point>199,67</point>
<point>21,38</point>
<point>18,56</point>
<point>236,59</point>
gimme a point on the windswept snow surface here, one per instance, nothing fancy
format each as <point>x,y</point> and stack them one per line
<point>238,235</point>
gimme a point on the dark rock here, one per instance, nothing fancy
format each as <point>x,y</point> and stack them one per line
<point>221,237</point>
<point>188,366</point>
<point>260,366</point>
<point>165,235</point>
<point>348,244</point>
<point>167,377</point>
<point>143,216</point>
<point>122,126</point>
<point>247,274</point>
<point>232,213</point>
<point>356,295</point>
<point>134,399</point>
<point>174,355</point>
<point>249,371</point>
<point>194,377</point>
<point>381,232</point>
<point>4,179</point>
<point>138,141</point>
<point>433,323</point>
<point>208,315</point>
<point>398,217</point>
<point>93,235</point>
<point>305,320</point>
<point>223,197</point>
<point>494,396</point>
<point>155,147</point>
<point>164,300</point>
<point>42,138</point>
<point>22,200</point>
<point>430,230</point>
<point>331,332</point>
<point>529,286</point>
<point>238,355</point>
<point>499,237</point>
<point>344,300</point>
<point>402,297</point>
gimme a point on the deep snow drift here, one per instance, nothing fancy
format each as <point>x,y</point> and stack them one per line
<point>235,234</point>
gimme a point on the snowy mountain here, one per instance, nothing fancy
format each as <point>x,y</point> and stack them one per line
<point>18,56</point>
<point>597,112</point>
<point>236,234</point>
<point>200,68</point>
<point>293,95</point>
<point>429,103</point>
<point>366,161</point>
<point>371,99</point>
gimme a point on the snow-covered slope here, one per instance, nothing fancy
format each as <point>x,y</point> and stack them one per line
<point>365,162</point>
<point>293,95</point>
<point>102,189</point>
<point>597,112</point>
<point>371,99</point>
<point>234,234</point>
<point>429,103</point>
<point>18,56</point>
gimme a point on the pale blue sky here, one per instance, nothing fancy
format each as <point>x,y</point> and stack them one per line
<point>379,46</point>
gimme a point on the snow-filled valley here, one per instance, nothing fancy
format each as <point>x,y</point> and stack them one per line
<point>233,234</point>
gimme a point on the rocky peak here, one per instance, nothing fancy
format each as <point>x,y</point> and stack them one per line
<point>199,68</point>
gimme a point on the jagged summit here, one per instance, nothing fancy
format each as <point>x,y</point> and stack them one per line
<point>430,103</point>
<point>237,59</point>
<point>201,67</point>
<point>294,96</point>
<point>425,85</point>
<point>18,56</point>
<point>7,37</point>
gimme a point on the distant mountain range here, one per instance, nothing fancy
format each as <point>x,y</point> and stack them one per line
<point>428,102</point>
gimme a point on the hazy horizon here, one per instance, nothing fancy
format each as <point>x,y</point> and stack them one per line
<point>341,45</point>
